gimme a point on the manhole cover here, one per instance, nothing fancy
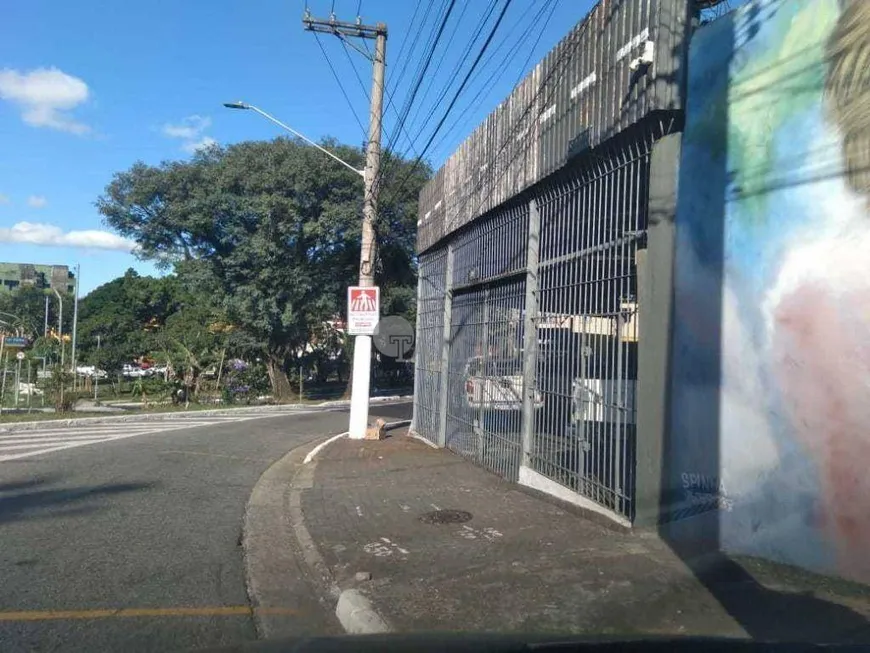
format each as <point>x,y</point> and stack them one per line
<point>446,517</point>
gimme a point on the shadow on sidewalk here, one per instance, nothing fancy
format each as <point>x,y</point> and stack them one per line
<point>772,615</point>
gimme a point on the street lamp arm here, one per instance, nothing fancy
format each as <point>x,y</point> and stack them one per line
<point>271,118</point>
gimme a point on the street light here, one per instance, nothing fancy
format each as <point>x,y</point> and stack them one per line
<point>60,328</point>
<point>359,401</point>
<point>251,107</point>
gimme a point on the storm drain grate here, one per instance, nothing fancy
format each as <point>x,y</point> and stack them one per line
<point>446,517</point>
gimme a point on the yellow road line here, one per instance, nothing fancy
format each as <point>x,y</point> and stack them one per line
<point>210,611</point>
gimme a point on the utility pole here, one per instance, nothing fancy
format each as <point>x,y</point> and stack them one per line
<point>362,353</point>
<point>60,327</point>
<point>45,328</point>
<point>97,372</point>
<point>75,325</point>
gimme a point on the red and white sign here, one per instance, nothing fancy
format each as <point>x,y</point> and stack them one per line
<point>363,310</point>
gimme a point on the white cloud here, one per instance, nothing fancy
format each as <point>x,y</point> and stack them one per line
<point>36,201</point>
<point>191,131</point>
<point>202,143</point>
<point>4,199</point>
<point>45,96</point>
<point>36,233</point>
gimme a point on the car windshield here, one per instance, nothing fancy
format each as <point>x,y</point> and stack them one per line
<point>435,318</point>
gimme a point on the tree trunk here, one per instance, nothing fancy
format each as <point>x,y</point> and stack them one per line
<point>281,388</point>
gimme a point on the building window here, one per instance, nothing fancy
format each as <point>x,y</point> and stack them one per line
<point>11,283</point>
<point>70,288</point>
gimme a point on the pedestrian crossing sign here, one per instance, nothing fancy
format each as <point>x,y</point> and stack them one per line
<point>363,310</point>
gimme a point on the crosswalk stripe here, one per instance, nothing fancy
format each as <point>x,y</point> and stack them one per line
<point>34,445</point>
<point>29,443</point>
<point>71,432</point>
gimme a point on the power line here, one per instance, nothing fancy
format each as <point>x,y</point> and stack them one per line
<point>464,118</point>
<point>459,90</point>
<point>366,92</point>
<point>419,80</point>
<point>478,30</point>
<point>401,74</point>
<point>340,86</point>
<point>514,130</point>
<point>356,72</point>
<point>437,66</point>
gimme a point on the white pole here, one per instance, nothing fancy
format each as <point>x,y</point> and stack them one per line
<point>359,398</point>
<point>75,325</point>
<point>97,370</point>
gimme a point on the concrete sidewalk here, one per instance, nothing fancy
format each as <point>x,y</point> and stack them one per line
<point>449,546</point>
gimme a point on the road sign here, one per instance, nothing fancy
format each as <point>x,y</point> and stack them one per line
<point>15,341</point>
<point>20,355</point>
<point>363,310</point>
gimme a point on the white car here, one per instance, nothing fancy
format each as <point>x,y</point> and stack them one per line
<point>133,372</point>
<point>90,370</point>
<point>498,387</point>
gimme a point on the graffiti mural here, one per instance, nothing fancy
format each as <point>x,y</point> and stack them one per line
<point>771,344</point>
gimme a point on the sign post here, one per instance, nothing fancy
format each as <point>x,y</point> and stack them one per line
<point>20,357</point>
<point>363,313</point>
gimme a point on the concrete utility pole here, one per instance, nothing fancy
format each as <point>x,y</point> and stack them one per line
<point>75,325</point>
<point>60,326</point>
<point>362,353</point>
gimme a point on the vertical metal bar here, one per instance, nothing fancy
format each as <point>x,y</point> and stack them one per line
<point>30,385</point>
<point>446,344</point>
<point>530,333</point>
<point>618,485</point>
<point>419,363</point>
<point>486,390</point>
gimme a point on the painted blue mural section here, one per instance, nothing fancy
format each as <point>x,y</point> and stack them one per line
<point>771,344</point>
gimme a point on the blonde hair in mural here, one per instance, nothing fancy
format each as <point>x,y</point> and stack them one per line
<point>848,89</point>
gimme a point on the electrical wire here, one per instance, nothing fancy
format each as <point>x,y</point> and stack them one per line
<point>340,85</point>
<point>557,66</point>
<point>400,75</point>
<point>438,65</point>
<point>461,61</point>
<point>416,87</point>
<point>465,117</point>
<point>456,95</point>
<point>355,71</point>
<point>515,129</point>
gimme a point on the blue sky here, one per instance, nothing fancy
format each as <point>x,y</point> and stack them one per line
<point>87,88</point>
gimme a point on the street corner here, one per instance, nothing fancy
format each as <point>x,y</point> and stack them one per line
<point>277,547</point>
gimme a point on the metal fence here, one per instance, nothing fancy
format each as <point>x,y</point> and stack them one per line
<point>428,351</point>
<point>592,224</point>
<point>560,262</point>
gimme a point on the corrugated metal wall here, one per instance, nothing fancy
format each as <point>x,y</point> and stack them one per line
<point>581,94</point>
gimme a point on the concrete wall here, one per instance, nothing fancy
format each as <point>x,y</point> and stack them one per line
<point>769,440</point>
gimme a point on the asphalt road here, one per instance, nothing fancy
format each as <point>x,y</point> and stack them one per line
<point>134,544</point>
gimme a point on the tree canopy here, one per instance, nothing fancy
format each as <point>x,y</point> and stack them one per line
<point>265,236</point>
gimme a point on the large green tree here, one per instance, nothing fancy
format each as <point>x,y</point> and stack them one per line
<point>270,231</point>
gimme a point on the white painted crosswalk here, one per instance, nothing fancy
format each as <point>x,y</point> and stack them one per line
<point>49,437</point>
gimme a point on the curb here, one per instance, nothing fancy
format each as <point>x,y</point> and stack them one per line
<point>357,614</point>
<point>316,450</point>
<point>277,546</point>
<point>149,417</point>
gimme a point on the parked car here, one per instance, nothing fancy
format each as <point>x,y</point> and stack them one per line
<point>495,385</point>
<point>91,371</point>
<point>133,371</point>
